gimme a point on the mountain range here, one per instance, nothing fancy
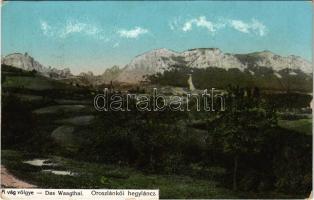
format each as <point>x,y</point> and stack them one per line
<point>157,61</point>
<point>160,60</point>
<point>28,63</point>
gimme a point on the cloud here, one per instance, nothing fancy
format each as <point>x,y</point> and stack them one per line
<point>72,27</point>
<point>201,22</point>
<point>240,26</point>
<point>132,33</point>
<point>254,26</point>
<point>251,27</point>
<point>187,26</point>
<point>173,24</point>
<point>259,27</point>
<point>46,28</point>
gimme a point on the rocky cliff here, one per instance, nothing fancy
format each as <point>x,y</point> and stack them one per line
<point>161,59</point>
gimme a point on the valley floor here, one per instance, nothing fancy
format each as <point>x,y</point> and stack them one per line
<point>46,173</point>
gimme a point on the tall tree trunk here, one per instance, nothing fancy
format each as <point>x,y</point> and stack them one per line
<point>235,169</point>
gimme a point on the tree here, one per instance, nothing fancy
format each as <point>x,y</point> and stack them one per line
<point>240,130</point>
<point>17,124</point>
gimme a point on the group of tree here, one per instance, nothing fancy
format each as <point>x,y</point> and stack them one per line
<point>241,148</point>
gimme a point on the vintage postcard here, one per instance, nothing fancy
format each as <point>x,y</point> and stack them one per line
<point>156,99</point>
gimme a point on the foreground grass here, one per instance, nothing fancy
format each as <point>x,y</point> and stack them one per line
<point>301,125</point>
<point>96,175</point>
<point>100,176</point>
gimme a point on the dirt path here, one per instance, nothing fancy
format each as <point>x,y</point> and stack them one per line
<point>9,181</point>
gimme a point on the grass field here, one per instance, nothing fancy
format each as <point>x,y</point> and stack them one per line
<point>301,125</point>
<point>96,175</point>
<point>63,116</point>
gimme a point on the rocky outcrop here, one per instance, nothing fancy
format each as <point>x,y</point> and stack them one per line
<point>28,63</point>
<point>23,61</point>
<point>157,61</point>
<point>149,63</point>
<point>111,74</point>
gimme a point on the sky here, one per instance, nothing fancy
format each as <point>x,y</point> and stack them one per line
<point>95,35</point>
